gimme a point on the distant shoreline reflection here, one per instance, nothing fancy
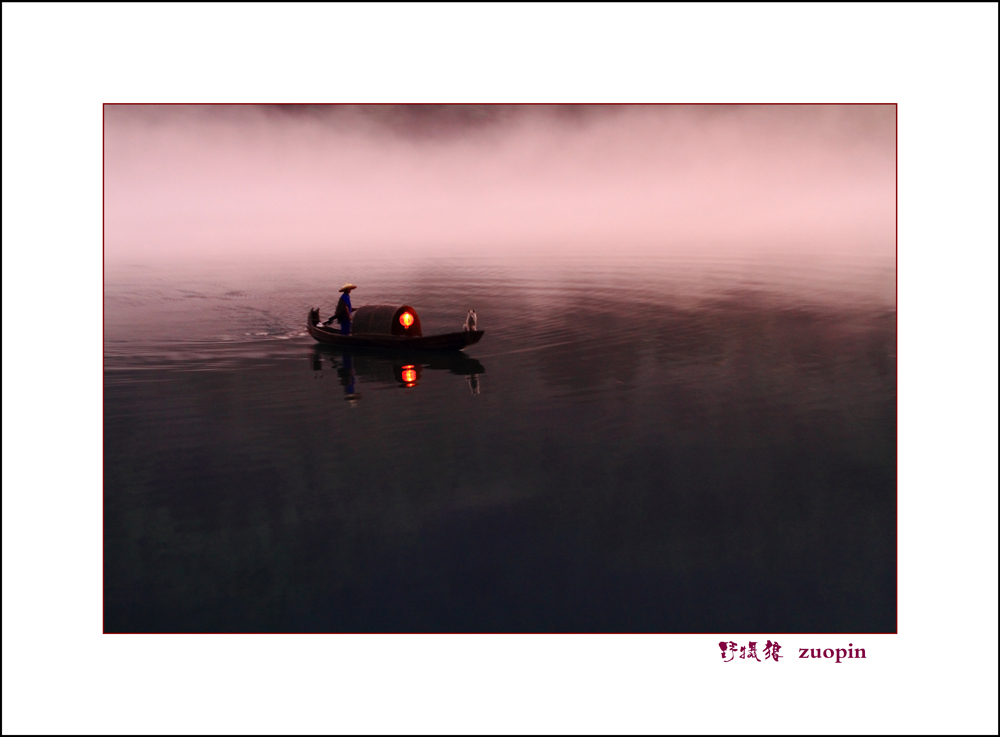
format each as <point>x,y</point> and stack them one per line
<point>355,366</point>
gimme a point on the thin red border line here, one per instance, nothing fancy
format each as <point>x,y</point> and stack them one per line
<point>534,634</point>
<point>104,137</point>
<point>602,104</point>
<point>502,104</point>
<point>896,302</point>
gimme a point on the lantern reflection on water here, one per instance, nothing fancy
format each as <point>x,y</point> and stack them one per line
<point>379,367</point>
<point>408,374</point>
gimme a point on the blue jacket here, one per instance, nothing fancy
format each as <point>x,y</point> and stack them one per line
<point>344,315</point>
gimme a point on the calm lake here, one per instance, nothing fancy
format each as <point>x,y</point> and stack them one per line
<point>636,445</point>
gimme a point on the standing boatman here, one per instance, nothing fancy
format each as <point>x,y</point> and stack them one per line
<point>344,312</point>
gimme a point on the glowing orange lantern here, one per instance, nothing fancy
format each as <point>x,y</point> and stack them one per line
<point>409,375</point>
<point>406,319</point>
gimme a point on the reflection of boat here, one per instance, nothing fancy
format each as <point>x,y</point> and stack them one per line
<point>389,326</point>
<point>402,368</point>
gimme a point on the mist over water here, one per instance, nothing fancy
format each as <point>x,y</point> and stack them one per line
<point>681,417</point>
<point>185,182</point>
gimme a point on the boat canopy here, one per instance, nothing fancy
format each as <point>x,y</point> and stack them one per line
<point>401,320</point>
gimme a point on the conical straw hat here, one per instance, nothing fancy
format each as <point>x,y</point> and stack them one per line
<point>347,287</point>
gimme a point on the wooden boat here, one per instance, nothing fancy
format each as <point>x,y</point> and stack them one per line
<point>389,326</point>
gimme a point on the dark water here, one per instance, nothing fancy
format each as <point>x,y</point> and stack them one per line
<point>645,446</point>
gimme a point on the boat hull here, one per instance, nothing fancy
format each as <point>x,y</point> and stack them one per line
<point>443,342</point>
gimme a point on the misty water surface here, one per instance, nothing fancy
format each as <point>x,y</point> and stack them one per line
<point>636,445</point>
<point>681,417</point>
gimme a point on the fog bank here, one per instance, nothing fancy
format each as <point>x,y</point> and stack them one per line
<point>183,182</point>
